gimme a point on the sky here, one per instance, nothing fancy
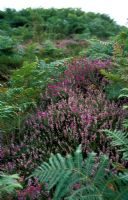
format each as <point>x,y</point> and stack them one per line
<point>116,9</point>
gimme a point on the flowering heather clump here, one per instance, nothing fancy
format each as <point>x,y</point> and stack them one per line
<point>83,117</point>
<point>76,113</point>
<point>22,158</point>
<point>31,191</point>
<point>80,74</point>
<point>66,123</point>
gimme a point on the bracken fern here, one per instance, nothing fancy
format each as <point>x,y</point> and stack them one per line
<point>8,183</point>
<point>119,139</point>
<point>74,178</point>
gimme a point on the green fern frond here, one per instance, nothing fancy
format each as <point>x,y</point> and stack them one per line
<point>124,93</point>
<point>98,178</point>
<point>119,139</point>
<point>109,75</point>
<point>74,178</point>
<point>8,183</point>
<point>89,164</point>
<point>86,194</point>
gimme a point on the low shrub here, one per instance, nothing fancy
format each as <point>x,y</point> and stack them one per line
<point>100,50</point>
<point>73,110</point>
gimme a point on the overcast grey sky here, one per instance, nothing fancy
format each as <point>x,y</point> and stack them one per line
<point>116,9</point>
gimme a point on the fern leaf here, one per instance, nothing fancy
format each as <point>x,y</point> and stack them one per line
<point>8,183</point>
<point>78,159</point>
<point>118,138</point>
<point>70,161</point>
<point>86,193</point>
<point>89,164</point>
<point>75,179</point>
<point>62,188</point>
<point>98,178</point>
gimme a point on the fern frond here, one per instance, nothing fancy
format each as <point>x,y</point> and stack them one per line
<point>125,123</point>
<point>98,178</point>
<point>59,171</point>
<point>65,173</point>
<point>86,193</point>
<point>119,139</point>
<point>109,75</point>
<point>8,183</point>
<point>76,179</point>
<point>124,93</point>
<point>89,164</point>
<point>78,159</point>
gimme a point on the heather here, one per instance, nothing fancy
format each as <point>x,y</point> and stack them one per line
<point>63,106</point>
<point>73,110</point>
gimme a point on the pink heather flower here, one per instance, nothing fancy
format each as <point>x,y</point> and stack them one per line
<point>76,186</point>
<point>41,114</point>
<point>87,118</point>
<point>74,109</point>
<point>41,126</point>
<point>31,191</point>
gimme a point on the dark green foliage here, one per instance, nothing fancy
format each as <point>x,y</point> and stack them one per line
<point>117,75</point>
<point>25,87</point>
<point>122,39</point>
<point>100,50</point>
<point>113,90</point>
<point>28,27</point>
<point>119,139</point>
<point>9,58</point>
<point>74,178</point>
<point>59,21</point>
<point>6,43</point>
